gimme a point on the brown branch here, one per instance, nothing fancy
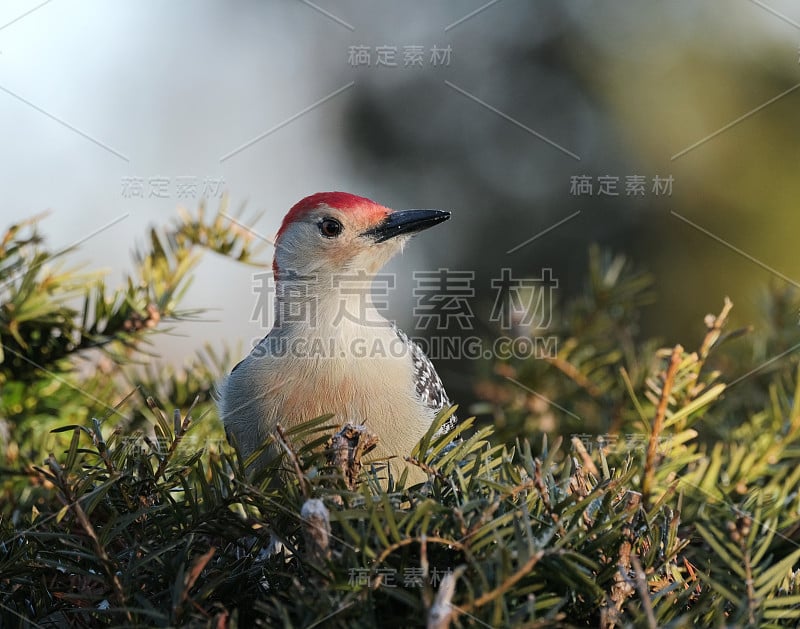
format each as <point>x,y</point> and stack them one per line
<point>423,541</point>
<point>658,422</point>
<point>428,469</point>
<point>195,571</point>
<point>108,565</point>
<point>587,460</point>
<point>739,531</point>
<point>569,370</point>
<point>83,519</point>
<point>501,589</point>
<point>180,428</point>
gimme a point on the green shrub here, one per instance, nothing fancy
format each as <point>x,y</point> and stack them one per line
<point>673,501</point>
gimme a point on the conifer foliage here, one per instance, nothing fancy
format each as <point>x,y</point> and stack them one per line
<point>672,502</point>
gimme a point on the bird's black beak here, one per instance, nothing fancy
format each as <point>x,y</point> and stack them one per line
<point>405,222</point>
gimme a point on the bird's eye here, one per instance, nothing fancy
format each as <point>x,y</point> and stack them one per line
<point>330,227</point>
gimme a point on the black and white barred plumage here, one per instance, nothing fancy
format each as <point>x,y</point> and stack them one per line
<point>428,384</point>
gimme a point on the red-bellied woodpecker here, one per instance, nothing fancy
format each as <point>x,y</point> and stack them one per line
<point>330,350</point>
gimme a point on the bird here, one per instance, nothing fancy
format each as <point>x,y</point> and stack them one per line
<point>330,350</point>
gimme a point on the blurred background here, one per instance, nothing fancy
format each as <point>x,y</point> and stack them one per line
<point>665,131</point>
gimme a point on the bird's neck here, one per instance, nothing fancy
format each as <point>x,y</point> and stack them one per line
<point>326,304</point>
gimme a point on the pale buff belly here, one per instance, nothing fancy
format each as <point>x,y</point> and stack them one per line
<point>377,392</point>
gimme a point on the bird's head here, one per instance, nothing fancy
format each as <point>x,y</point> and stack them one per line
<point>337,232</point>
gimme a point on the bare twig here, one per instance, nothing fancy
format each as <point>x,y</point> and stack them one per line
<point>442,610</point>
<point>714,324</point>
<point>316,530</point>
<point>621,589</point>
<point>640,580</point>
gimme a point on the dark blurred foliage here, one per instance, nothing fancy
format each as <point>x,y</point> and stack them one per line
<point>626,88</point>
